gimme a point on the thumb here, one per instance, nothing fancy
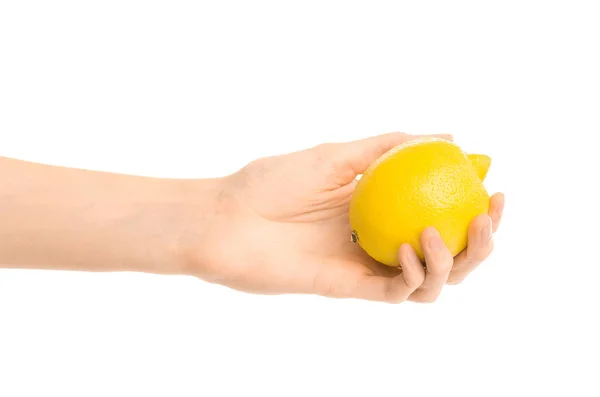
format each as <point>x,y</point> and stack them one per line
<point>360,154</point>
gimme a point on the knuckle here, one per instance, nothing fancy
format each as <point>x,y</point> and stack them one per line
<point>477,258</point>
<point>428,299</point>
<point>440,268</point>
<point>393,296</point>
<point>325,148</point>
<point>394,300</point>
<point>425,297</point>
<point>414,281</point>
<point>478,255</point>
<point>455,281</point>
<point>325,158</point>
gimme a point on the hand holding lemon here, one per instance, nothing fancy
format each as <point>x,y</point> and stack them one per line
<point>420,183</point>
<point>419,218</point>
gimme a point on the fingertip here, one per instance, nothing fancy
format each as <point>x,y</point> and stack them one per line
<point>414,273</point>
<point>480,242</point>
<point>432,241</point>
<point>485,228</point>
<point>480,222</point>
<point>496,209</point>
<point>406,249</point>
<point>497,201</point>
<point>429,232</point>
<point>480,230</point>
<point>438,257</point>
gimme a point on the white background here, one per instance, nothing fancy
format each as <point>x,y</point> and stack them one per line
<point>198,88</point>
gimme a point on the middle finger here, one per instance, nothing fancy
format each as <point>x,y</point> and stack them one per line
<point>439,260</point>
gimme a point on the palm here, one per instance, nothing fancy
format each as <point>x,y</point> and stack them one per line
<point>332,238</point>
<point>307,216</point>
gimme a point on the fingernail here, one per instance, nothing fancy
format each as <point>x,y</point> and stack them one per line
<point>436,243</point>
<point>413,257</point>
<point>486,230</point>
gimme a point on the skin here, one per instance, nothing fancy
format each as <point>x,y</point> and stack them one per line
<point>277,226</point>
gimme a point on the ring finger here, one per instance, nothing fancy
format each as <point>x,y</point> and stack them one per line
<point>480,243</point>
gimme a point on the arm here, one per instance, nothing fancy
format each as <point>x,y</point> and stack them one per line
<point>278,225</point>
<point>62,218</point>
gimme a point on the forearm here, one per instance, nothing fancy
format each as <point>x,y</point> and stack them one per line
<point>62,218</point>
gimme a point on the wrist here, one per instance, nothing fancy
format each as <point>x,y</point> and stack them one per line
<point>190,221</point>
<point>177,219</point>
<point>212,238</point>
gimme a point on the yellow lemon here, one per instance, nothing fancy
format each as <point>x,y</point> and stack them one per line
<point>423,182</point>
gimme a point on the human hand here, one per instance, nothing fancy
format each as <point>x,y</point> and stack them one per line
<point>281,226</point>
